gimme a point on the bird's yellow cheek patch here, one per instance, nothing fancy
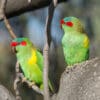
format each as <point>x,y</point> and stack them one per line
<point>32,59</point>
<point>86,42</point>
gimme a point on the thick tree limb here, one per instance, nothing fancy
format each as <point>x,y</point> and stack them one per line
<point>5,94</point>
<point>16,7</point>
<point>82,82</point>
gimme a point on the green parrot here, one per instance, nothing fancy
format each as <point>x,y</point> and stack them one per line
<point>75,42</point>
<point>30,60</point>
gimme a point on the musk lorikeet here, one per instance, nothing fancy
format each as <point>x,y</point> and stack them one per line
<point>30,60</point>
<point>75,42</point>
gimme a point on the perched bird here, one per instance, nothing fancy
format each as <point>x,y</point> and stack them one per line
<point>75,42</point>
<point>30,60</point>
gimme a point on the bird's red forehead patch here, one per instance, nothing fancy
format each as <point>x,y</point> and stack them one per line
<point>62,21</point>
<point>69,24</point>
<point>14,43</point>
<point>23,43</point>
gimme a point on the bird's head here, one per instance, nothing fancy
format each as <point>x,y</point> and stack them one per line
<point>20,44</point>
<point>71,24</point>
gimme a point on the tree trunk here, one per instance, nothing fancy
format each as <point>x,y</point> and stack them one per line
<point>82,82</point>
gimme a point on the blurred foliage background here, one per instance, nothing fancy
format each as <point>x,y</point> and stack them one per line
<point>32,25</point>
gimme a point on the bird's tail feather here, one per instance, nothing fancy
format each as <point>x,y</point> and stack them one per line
<point>50,86</point>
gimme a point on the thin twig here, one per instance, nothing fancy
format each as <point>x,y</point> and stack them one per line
<point>45,72</point>
<point>46,48</point>
<point>7,24</point>
<point>2,4</point>
<point>17,93</point>
<point>55,2</point>
<point>29,1</point>
<point>16,81</point>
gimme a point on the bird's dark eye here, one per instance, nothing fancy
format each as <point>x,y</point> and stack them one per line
<point>70,24</point>
<point>23,43</point>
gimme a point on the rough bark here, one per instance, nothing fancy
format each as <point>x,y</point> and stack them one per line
<point>82,82</point>
<point>5,94</point>
<point>16,7</point>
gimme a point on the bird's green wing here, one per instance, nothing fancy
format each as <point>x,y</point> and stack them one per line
<point>35,74</point>
<point>40,60</point>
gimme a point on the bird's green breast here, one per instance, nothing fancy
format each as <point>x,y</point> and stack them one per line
<point>75,47</point>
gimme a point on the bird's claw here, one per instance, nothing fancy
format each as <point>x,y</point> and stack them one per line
<point>24,79</point>
<point>31,84</point>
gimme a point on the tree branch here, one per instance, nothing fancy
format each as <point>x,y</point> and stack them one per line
<point>17,7</point>
<point>7,24</point>
<point>46,48</point>
<point>16,81</point>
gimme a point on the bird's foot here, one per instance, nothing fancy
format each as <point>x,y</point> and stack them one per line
<point>31,84</point>
<point>24,79</point>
